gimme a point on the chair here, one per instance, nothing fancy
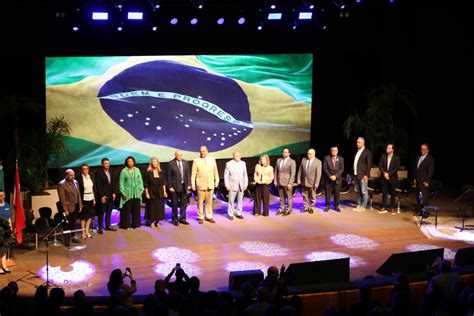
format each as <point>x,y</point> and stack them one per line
<point>466,200</point>
<point>374,185</point>
<point>30,228</point>
<point>436,187</point>
<point>403,188</point>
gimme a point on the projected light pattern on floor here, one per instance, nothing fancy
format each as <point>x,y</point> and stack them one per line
<point>81,271</point>
<point>264,249</point>
<point>246,265</point>
<point>355,261</point>
<point>174,255</point>
<point>354,241</point>
<point>448,232</point>
<point>165,268</point>
<point>448,253</point>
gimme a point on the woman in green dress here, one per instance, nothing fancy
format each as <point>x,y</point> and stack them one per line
<point>131,188</point>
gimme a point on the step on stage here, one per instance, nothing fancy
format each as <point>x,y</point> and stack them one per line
<point>211,251</point>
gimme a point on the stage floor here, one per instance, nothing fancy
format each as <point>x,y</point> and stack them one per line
<point>210,251</point>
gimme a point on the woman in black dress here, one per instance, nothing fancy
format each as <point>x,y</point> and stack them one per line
<point>87,190</point>
<point>155,193</point>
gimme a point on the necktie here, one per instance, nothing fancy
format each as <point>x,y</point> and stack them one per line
<point>74,192</point>
<point>308,162</point>
<point>108,175</point>
<point>334,163</point>
<point>419,161</point>
<point>282,162</point>
<point>180,166</point>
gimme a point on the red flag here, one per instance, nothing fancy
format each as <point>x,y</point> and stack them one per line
<point>19,210</point>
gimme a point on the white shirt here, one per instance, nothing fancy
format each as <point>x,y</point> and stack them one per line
<point>356,159</point>
<point>88,188</point>
<point>421,160</point>
<point>389,159</point>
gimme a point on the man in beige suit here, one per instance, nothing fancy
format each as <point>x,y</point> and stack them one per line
<point>71,203</point>
<point>204,178</point>
<point>309,176</point>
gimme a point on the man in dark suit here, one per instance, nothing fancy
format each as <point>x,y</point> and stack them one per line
<point>389,164</point>
<point>106,187</point>
<point>333,167</point>
<point>424,170</point>
<point>285,173</point>
<point>179,183</point>
<point>362,165</point>
<point>71,203</point>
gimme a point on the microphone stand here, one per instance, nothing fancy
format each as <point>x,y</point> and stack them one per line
<point>46,240</point>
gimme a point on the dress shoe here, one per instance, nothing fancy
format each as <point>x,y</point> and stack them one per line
<point>231,218</point>
<point>287,213</point>
<point>75,240</point>
<point>156,224</point>
<point>183,221</point>
<point>239,216</point>
<point>1,272</point>
<point>211,220</point>
<point>280,212</point>
<point>175,223</point>
<point>256,214</point>
<point>5,270</point>
<point>326,209</point>
<point>311,211</point>
<point>338,209</point>
<point>382,210</point>
<point>110,229</point>
<point>201,221</point>
<point>304,211</point>
<point>101,231</point>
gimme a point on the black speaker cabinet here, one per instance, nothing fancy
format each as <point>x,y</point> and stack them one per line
<point>410,262</point>
<point>318,272</point>
<point>464,257</point>
<point>237,278</point>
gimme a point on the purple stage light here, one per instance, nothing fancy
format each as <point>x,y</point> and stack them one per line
<point>174,254</point>
<point>354,241</point>
<point>246,265</point>
<point>174,21</point>
<point>241,20</point>
<point>165,268</point>
<point>81,271</point>
<point>448,253</point>
<point>100,16</point>
<point>194,21</point>
<point>220,21</point>
<point>75,28</point>
<point>264,249</point>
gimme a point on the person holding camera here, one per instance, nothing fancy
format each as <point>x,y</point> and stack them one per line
<point>181,284</point>
<point>116,283</point>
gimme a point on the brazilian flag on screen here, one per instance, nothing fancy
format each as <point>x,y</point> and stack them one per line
<point>148,106</point>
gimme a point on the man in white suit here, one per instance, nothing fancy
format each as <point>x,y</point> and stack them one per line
<point>309,175</point>
<point>236,182</point>
<point>285,173</point>
<point>204,178</point>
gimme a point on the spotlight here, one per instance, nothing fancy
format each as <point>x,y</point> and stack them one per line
<point>260,26</point>
<point>75,28</point>
<point>174,21</point>
<point>273,6</point>
<point>220,21</point>
<point>198,4</point>
<point>274,16</point>
<point>119,29</point>
<point>193,21</point>
<point>241,20</point>
<point>311,6</point>
<point>293,25</point>
<point>101,16</point>
<point>154,29</point>
<point>135,15</point>
<point>305,15</point>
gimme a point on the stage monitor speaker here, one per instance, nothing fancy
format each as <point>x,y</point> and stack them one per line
<point>318,272</point>
<point>464,257</point>
<point>410,262</point>
<point>237,278</point>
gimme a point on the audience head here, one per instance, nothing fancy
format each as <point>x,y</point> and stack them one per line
<point>56,295</point>
<point>160,285</point>
<point>41,293</point>
<point>247,289</point>
<point>179,274</point>
<point>79,297</point>
<point>272,272</point>
<point>194,284</point>
<point>445,266</point>
<point>116,277</point>
<point>13,286</point>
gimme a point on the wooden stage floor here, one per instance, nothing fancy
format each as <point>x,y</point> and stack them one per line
<point>210,251</point>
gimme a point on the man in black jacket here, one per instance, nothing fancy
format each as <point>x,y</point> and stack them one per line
<point>106,188</point>
<point>424,170</point>
<point>362,165</point>
<point>389,165</point>
<point>179,183</point>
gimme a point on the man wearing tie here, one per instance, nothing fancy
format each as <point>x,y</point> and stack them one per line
<point>236,182</point>
<point>423,174</point>
<point>389,165</point>
<point>70,199</point>
<point>285,173</point>
<point>309,176</point>
<point>106,187</point>
<point>204,178</point>
<point>179,183</point>
<point>362,165</point>
<point>333,167</point>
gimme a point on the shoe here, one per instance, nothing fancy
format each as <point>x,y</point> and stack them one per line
<point>338,209</point>
<point>326,209</point>
<point>183,221</point>
<point>287,213</point>
<point>359,209</point>
<point>239,216</point>
<point>5,270</point>
<point>280,212</point>
<point>304,211</point>
<point>231,218</point>
<point>256,214</point>
<point>393,211</point>
<point>75,240</point>
<point>84,237</point>
<point>201,221</point>
<point>1,272</point>
<point>382,210</point>
<point>211,220</point>
<point>156,224</point>
<point>175,223</point>
<point>110,229</point>
<point>101,231</point>
<point>310,211</point>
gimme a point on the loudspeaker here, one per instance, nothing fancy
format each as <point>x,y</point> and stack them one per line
<point>464,257</point>
<point>410,262</point>
<point>318,272</point>
<point>237,278</point>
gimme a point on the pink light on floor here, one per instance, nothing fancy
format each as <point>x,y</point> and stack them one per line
<point>246,265</point>
<point>354,241</point>
<point>81,271</point>
<point>264,249</point>
<point>355,261</point>
<point>448,253</point>
<point>175,255</point>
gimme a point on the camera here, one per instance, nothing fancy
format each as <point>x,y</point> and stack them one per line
<point>127,271</point>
